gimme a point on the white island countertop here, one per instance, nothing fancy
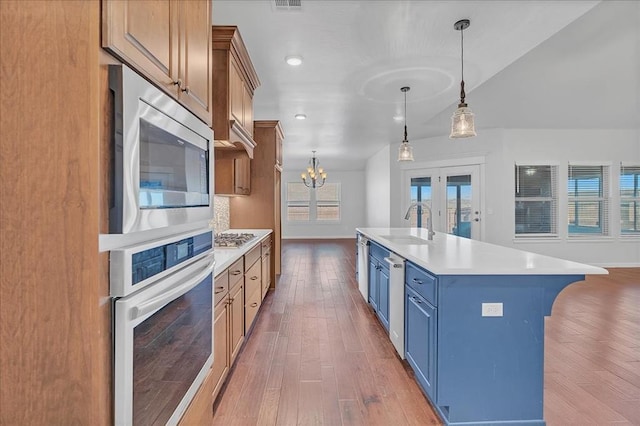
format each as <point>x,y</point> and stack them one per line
<point>226,256</point>
<point>450,255</point>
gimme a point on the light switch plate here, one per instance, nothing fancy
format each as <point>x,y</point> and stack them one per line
<point>492,309</point>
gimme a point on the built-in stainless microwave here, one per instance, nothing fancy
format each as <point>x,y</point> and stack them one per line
<point>162,160</point>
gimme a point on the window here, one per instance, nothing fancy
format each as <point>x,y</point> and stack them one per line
<point>420,191</point>
<point>588,203</point>
<point>305,204</point>
<point>630,200</point>
<point>298,200</point>
<point>328,202</point>
<point>536,199</point>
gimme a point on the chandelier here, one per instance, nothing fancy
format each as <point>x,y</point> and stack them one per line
<point>315,175</point>
<point>462,125</point>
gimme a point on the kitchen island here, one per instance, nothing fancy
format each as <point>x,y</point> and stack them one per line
<point>473,320</point>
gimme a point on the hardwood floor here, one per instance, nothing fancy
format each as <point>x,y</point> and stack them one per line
<point>318,355</point>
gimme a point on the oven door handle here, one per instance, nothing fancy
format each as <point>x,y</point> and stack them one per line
<point>158,302</point>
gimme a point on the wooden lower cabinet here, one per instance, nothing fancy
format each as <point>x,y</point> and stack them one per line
<point>200,411</point>
<point>221,355</point>
<point>236,319</point>
<point>253,292</point>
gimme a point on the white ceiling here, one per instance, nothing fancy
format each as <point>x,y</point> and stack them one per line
<point>357,55</point>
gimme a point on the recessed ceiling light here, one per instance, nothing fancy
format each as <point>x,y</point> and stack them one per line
<point>301,116</point>
<point>294,60</point>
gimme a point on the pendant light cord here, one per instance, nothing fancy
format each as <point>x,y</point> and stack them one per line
<point>405,116</point>
<point>462,94</point>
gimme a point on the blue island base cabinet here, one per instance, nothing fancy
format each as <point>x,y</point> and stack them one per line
<point>486,369</point>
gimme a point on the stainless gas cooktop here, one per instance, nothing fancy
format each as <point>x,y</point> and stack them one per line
<point>232,240</point>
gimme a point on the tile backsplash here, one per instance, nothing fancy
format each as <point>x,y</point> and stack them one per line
<point>220,214</point>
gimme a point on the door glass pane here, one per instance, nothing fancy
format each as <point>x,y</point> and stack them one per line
<point>420,191</point>
<point>459,209</point>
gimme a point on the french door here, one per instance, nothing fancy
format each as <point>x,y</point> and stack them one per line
<point>453,193</point>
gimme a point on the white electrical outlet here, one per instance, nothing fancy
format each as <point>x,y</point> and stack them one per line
<point>492,309</point>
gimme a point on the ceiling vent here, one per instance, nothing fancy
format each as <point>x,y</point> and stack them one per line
<point>290,5</point>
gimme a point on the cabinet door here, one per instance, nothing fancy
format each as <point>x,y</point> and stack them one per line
<point>253,278</point>
<point>420,342</point>
<point>220,344</point>
<point>236,316</point>
<point>373,283</point>
<point>195,57</point>
<point>266,273</point>
<point>236,93</point>
<point>383,296</point>
<point>247,109</point>
<point>144,35</point>
<point>242,175</point>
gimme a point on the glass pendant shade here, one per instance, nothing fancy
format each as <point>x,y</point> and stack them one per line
<point>405,152</point>
<point>462,125</point>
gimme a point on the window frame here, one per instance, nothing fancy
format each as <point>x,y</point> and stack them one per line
<point>633,198</point>
<point>604,198</point>
<point>554,200</point>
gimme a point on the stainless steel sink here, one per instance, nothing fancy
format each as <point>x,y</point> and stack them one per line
<point>405,239</point>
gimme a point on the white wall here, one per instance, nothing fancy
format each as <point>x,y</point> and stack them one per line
<point>378,189</point>
<point>352,208</point>
<point>501,149</point>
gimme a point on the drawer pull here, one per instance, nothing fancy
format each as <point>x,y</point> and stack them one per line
<point>236,272</point>
<point>219,290</point>
<point>254,304</point>
<point>416,300</point>
<point>254,278</point>
<point>417,281</point>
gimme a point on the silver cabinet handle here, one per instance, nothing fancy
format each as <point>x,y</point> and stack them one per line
<point>187,90</point>
<point>254,278</point>
<point>235,272</point>
<point>417,281</point>
<point>415,300</point>
<point>254,304</point>
<point>219,290</point>
<point>178,83</point>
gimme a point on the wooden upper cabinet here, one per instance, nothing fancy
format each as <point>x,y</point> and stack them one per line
<point>169,42</point>
<point>232,173</point>
<point>195,57</point>
<point>234,83</point>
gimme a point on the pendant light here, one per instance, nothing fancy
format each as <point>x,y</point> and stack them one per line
<point>405,152</point>
<point>462,125</point>
<point>315,175</point>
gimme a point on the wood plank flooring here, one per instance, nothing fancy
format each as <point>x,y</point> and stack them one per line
<point>317,354</point>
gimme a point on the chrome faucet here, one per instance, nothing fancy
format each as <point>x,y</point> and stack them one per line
<point>429,220</point>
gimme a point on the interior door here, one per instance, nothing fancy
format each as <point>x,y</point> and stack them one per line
<point>453,193</point>
<point>460,206</point>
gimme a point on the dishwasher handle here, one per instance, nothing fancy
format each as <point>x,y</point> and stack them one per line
<point>393,263</point>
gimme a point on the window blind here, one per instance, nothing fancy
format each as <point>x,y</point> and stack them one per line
<point>588,201</point>
<point>328,202</point>
<point>629,200</point>
<point>298,200</point>
<point>536,200</point>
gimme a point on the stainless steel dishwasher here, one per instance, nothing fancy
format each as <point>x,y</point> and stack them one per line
<point>396,301</point>
<point>362,270</point>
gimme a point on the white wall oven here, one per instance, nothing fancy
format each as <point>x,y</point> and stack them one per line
<point>163,345</point>
<point>162,159</point>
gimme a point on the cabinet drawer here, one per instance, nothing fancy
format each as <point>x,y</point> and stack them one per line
<point>422,282</point>
<point>265,245</point>
<point>251,257</point>
<point>221,287</point>
<point>378,252</point>
<point>251,307</point>
<point>253,278</point>
<point>236,272</point>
